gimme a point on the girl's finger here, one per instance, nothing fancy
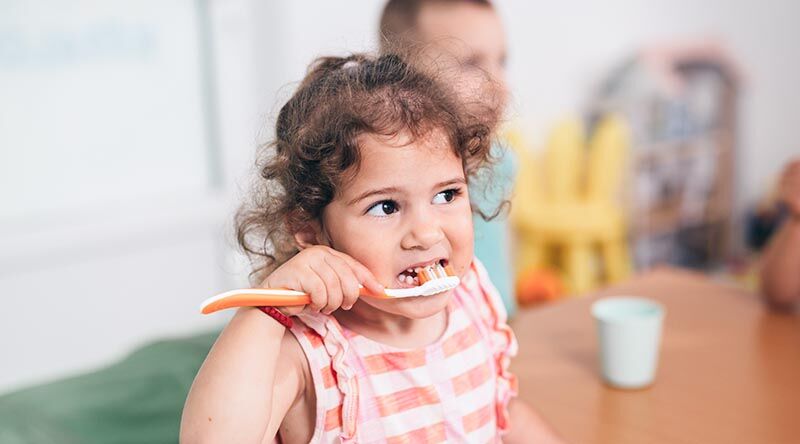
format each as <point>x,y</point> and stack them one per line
<point>347,278</point>
<point>292,284</point>
<point>365,277</point>
<point>333,287</point>
<point>312,284</point>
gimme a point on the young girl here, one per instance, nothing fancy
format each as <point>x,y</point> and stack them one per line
<point>368,180</point>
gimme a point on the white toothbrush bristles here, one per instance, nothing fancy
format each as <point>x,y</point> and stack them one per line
<point>432,279</point>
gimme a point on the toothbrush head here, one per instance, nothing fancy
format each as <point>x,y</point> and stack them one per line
<point>434,279</point>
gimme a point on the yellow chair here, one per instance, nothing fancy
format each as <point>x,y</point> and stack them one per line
<point>565,210</point>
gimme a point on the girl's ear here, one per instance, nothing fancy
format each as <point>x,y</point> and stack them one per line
<point>311,234</point>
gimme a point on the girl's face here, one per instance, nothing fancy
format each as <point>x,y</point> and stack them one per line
<point>408,206</point>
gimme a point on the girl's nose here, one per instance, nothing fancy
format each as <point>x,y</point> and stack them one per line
<point>424,231</point>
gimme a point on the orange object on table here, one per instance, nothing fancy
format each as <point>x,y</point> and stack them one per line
<point>537,285</point>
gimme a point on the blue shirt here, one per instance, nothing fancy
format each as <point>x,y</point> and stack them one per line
<point>492,243</point>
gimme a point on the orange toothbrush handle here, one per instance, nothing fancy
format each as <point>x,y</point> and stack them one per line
<point>257,297</point>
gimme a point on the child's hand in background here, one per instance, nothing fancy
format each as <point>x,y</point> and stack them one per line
<point>790,187</point>
<point>330,277</point>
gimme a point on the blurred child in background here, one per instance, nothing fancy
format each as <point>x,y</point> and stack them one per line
<point>468,36</point>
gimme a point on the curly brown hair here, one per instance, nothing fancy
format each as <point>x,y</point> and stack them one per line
<point>315,150</point>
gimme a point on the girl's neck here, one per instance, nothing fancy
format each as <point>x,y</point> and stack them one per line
<point>391,329</point>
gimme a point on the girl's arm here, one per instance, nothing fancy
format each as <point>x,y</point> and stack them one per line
<point>241,394</point>
<point>527,426</point>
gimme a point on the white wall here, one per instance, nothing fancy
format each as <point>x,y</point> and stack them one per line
<point>559,48</point>
<point>128,252</point>
<point>113,211</point>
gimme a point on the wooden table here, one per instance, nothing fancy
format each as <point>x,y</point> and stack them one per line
<point>729,370</point>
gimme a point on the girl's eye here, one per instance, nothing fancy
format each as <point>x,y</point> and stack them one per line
<point>446,196</point>
<point>383,208</point>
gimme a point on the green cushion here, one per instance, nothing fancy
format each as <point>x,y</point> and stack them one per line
<point>137,400</point>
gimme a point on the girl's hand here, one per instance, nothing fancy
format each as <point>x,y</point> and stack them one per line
<point>330,277</point>
<point>790,187</point>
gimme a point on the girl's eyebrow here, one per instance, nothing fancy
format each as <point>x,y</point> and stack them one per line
<point>460,180</point>
<point>368,193</point>
<point>389,190</point>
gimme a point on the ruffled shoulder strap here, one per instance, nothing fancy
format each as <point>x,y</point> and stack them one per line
<point>328,351</point>
<point>481,299</point>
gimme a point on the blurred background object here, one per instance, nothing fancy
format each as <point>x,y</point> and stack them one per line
<point>567,212</point>
<point>681,102</point>
<point>127,130</point>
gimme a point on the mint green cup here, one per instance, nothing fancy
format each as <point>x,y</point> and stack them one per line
<point>629,337</point>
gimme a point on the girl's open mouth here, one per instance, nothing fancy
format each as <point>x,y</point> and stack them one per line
<point>408,277</point>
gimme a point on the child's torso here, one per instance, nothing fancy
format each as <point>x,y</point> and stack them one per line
<point>369,392</point>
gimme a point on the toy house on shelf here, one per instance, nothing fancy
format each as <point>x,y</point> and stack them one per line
<point>681,105</point>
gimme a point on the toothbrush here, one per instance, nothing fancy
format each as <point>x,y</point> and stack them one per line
<point>433,279</point>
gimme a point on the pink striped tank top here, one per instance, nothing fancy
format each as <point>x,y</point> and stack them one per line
<point>454,390</point>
